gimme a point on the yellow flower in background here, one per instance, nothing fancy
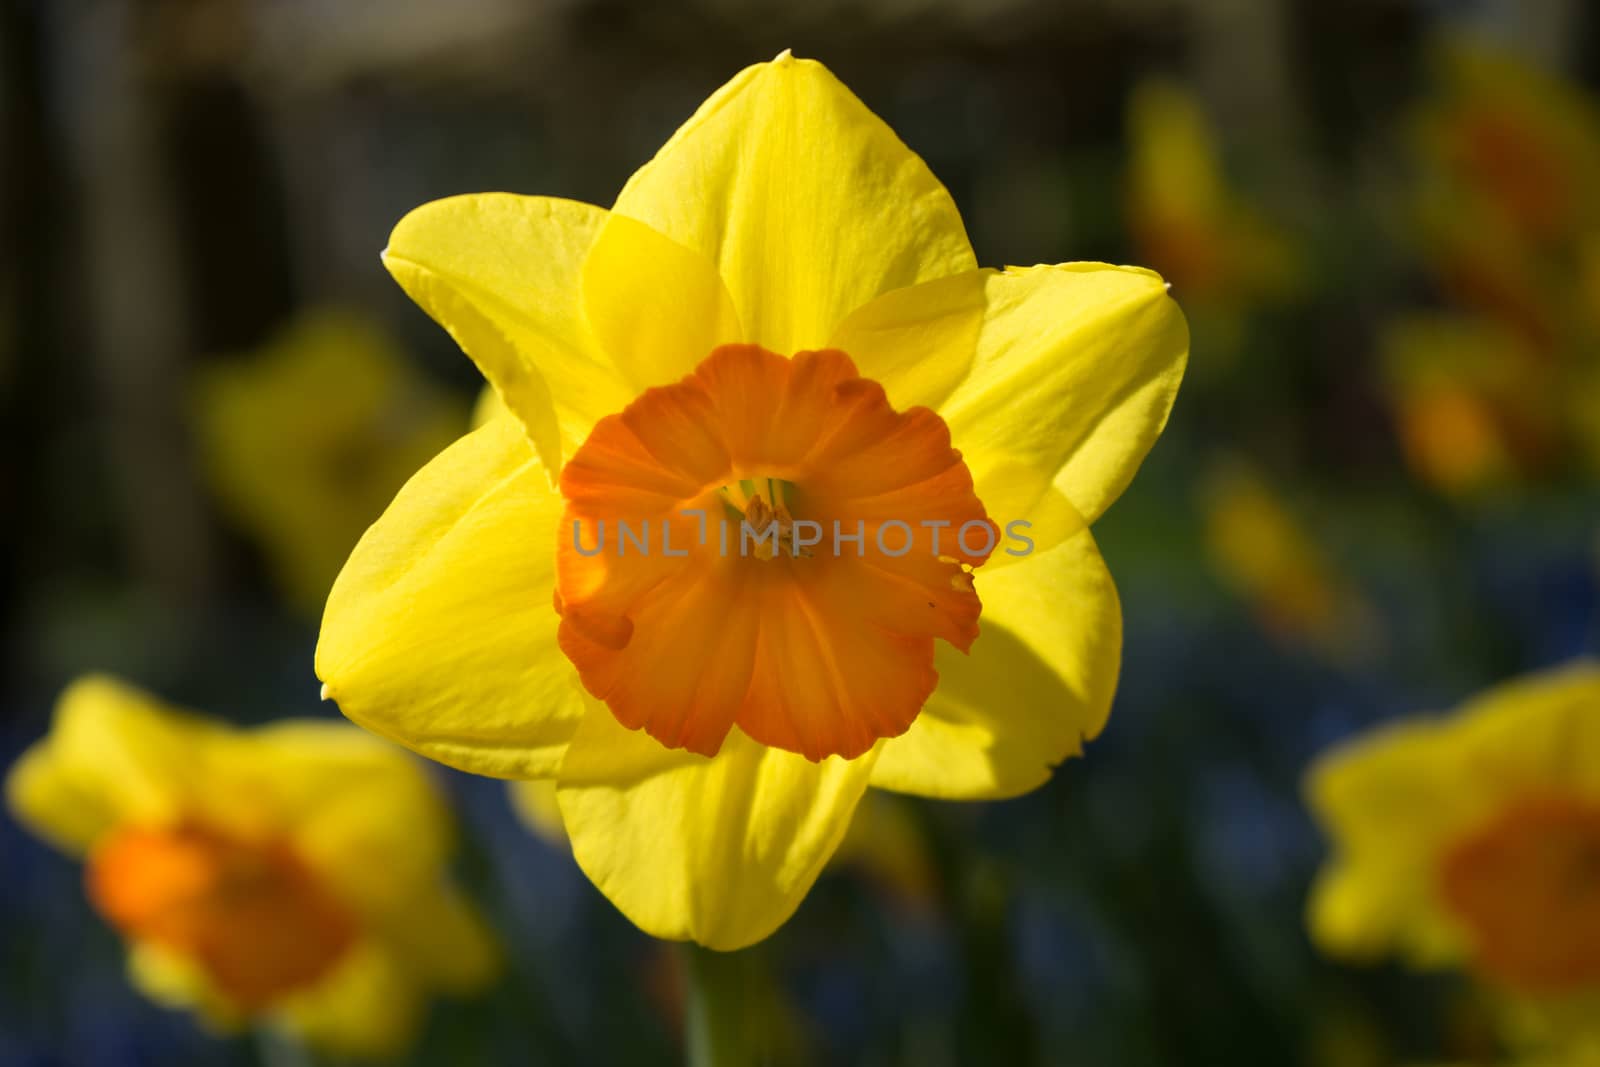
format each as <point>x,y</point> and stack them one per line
<point>306,440</point>
<point>1187,222</point>
<point>1584,1054</point>
<point>1509,144</point>
<point>780,320</point>
<point>535,803</point>
<point>290,876</point>
<point>1260,548</point>
<point>1484,266</point>
<point>1473,841</point>
<point>1507,156</point>
<point>1477,407</point>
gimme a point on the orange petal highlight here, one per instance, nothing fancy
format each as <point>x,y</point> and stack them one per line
<point>685,626</point>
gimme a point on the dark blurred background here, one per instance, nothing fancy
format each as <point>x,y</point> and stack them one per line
<point>1377,493</point>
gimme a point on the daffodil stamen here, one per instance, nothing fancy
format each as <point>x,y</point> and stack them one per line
<point>765,518</point>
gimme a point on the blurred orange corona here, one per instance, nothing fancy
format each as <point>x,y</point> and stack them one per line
<point>1473,841</point>
<point>289,876</point>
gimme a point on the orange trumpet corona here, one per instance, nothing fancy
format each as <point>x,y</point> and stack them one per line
<point>819,651</point>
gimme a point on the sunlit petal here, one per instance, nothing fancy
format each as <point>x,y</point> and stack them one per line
<point>1037,683</point>
<point>719,850</point>
<point>807,202</point>
<point>439,632</point>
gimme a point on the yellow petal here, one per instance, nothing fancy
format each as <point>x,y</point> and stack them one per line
<point>368,818</point>
<point>361,811</point>
<point>1074,373</point>
<point>440,633</point>
<point>1392,804</point>
<point>720,850</point>
<point>1032,518</point>
<point>536,805</point>
<point>808,204</point>
<point>656,307</point>
<point>1037,683</point>
<point>113,754</point>
<point>443,939</point>
<point>369,1007</point>
<point>488,406</point>
<point>1538,730</point>
<point>502,274</point>
<point>363,420</point>
<point>176,980</point>
<point>919,343</point>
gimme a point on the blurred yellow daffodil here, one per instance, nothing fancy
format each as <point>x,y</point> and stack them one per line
<point>779,324</point>
<point>1509,143</point>
<point>1222,256</point>
<point>1507,389</point>
<point>1505,155</point>
<point>1473,841</point>
<point>289,876</point>
<point>1260,548</point>
<point>1476,406</point>
<point>308,438</point>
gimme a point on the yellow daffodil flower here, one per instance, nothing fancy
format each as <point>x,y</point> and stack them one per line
<point>1223,256</point>
<point>289,876</point>
<point>307,439</point>
<point>780,323</point>
<point>1473,841</point>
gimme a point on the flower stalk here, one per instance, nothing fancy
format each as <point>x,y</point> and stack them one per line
<point>733,1013</point>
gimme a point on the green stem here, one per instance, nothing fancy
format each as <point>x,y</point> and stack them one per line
<point>716,1024</point>
<point>275,1048</point>
<point>729,1017</point>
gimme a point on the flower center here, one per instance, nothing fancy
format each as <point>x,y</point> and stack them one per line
<point>250,913</point>
<point>767,544</point>
<point>760,507</point>
<point>1526,886</point>
<point>1512,163</point>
